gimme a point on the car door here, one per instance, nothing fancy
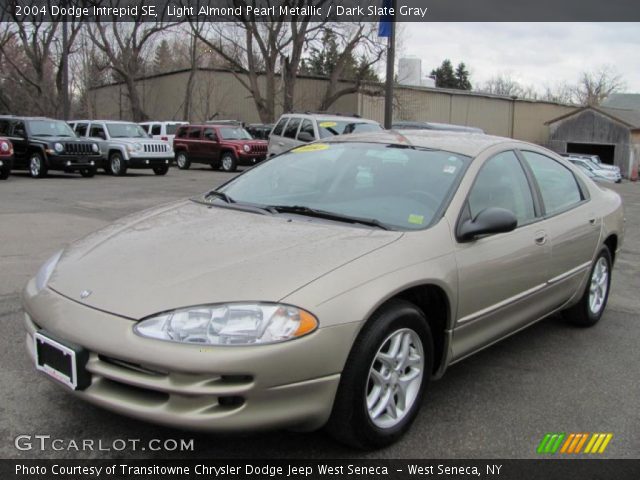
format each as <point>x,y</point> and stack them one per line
<point>194,144</point>
<point>211,144</point>
<point>276,141</point>
<point>572,227</point>
<point>97,132</point>
<point>290,132</point>
<point>20,144</point>
<point>500,277</point>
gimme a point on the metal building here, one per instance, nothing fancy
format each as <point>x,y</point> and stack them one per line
<point>611,133</point>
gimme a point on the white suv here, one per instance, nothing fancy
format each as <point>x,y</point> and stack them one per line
<point>162,130</point>
<point>294,129</point>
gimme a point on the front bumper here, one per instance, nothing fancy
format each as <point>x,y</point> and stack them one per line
<point>251,158</point>
<point>6,162</point>
<point>71,163</point>
<point>149,162</point>
<point>292,384</point>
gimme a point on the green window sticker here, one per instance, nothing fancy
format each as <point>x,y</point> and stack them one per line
<point>416,219</point>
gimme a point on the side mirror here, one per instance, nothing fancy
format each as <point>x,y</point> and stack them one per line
<point>488,222</point>
<point>305,137</point>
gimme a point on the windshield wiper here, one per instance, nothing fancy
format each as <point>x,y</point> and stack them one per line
<point>339,217</point>
<point>220,195</point>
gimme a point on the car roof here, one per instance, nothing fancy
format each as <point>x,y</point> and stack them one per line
<point>331,116</point>
<point>464,143</point>
<point>182,122</point>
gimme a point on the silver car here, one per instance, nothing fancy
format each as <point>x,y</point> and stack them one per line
<point>326,286</point>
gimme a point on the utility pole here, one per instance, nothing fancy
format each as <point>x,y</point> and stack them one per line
<point>65,69</point>
<point>391,53</point>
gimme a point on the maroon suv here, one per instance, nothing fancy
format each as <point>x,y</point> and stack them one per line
<point>221,146</point>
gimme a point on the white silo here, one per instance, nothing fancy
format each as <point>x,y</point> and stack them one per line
<point>410,71</point>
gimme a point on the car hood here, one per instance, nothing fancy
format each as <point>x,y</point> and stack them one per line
<point>246,142</point>
<point>132,141</point>
<point>47,139</point>
<point>189,254</point>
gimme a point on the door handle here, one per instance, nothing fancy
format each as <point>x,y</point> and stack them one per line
<point>540,238</point>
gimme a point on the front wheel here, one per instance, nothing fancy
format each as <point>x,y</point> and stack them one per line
<point>161,169</point>
<point>37,167</point>
<point>228,162</point>
<point>117,165</point>
<point>384,379</point>
<point>588,311</point>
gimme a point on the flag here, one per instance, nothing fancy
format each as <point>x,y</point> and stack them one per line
<point>386,21</point>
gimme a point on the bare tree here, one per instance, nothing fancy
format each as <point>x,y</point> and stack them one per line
<point>125,45</point>
<point>502,84</point>
<point>593,87</point>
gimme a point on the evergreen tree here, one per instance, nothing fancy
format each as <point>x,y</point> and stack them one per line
<point>462,77</point>
<point>444,75</point>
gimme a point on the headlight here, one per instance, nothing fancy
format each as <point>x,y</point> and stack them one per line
<point>229,324</point>
<point>58,147</point>
<point>95,147</point>
<point>246,148</point>
<point>43,275</point>
<point>4,147</point>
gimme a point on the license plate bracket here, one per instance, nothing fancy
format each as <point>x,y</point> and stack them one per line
<point>62,360</point>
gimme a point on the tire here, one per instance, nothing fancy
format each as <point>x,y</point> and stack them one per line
<point>4,173</point>
<point>37,166</point>
<point>117,164</point>
<point>228,162</point>
<point>588,311</point>
<point>364,426</point>
<point>182,161</point>
<point>88,172</point>
<point>161,169</point>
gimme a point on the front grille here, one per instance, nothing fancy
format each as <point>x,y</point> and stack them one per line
<point>259,148</point>
<point>156,148</point>
<point>77,148</point>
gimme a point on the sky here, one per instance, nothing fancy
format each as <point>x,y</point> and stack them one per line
<point>537,54</point>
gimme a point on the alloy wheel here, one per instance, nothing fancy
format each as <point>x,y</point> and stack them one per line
<point>599,286</point>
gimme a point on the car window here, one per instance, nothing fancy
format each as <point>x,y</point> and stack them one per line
<point>210,134</point>
<point>503,183</point>
<point>155,129</point>
<point>81,129</point>
<point>19,130</point>
<point>332,127</point>
<point>145,127</point>
<point>182,132</point>
<point>292,128</point>
<point>194,132</point>
<point>5,127</point>
<point>97,131</point>
<point>50,128</point>
<point>171,128</point>
<point>280,126</point>
<point>307,127</point>
<point>126,130</point>
<point>558,187</point>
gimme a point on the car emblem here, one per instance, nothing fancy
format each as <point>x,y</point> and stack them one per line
<point>85,293</point>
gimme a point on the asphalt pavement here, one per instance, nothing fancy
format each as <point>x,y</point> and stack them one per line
<point>499,403</point>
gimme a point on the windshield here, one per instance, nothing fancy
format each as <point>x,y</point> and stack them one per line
<point>400,187</point>
<point>234,133</point>
<point>50,128</point>
<point>330,128</point>
<point>126,130</point>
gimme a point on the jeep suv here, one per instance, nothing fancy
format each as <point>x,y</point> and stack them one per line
<point>294,129</point>
<point>6,158</point>
<point>221,146</point>
<point>43,144</point>
<point>162,130</point>
<point>126,145</point>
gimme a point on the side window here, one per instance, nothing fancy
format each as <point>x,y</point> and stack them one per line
<point>182,132</point>
<point>280,126</point>
<point>558,186</point>
<point>307,127</point>
<point>97,131</point>
<point>292,128</point>
<point>81,129</point>
<point>19,130</point>
<point>145,127</point>
<point>210,134</point>
<point>155,129</point>
<point>5,127</point>
<point>194,133</point>
<point>502,183</point>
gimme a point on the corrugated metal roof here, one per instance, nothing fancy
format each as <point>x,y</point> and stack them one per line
<point>626,101</point>
<point>630,118</point>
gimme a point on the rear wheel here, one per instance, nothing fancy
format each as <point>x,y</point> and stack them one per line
<point>88,172</point>
<point>588,311</point>
<point>161,169</point>
<point>228,162</point>
<point>183,161</point>
<point>37,167</point>
<point>384,379</point>
<point>117,165</point>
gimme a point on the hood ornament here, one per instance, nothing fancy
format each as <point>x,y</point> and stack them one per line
<point>85,293</point>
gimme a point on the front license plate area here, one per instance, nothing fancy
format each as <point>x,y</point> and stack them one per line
<point>61,360</point>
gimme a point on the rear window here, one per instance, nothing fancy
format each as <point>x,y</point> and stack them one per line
<point>280,126</point>
<point>292,128</point>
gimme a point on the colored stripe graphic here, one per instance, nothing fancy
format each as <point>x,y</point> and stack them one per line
<point>572,443</point>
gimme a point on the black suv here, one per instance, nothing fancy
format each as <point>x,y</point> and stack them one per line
<point>43,144</point>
